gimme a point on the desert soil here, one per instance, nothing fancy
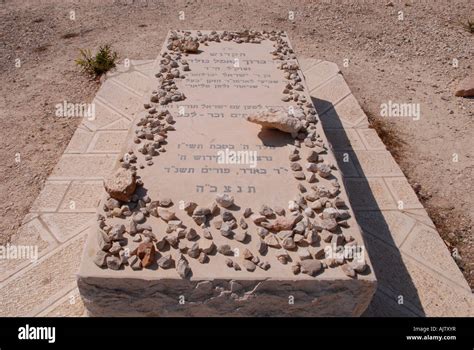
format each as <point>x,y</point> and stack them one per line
<point>407,60</point>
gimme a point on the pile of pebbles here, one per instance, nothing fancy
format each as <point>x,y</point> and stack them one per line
<point>134,244</point>
<point>294,235</point>
<point>150,135</point>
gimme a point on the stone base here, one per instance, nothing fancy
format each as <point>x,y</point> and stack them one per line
<point>125,293</point>
<point>136,297</point>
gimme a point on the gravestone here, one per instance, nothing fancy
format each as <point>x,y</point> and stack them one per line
<point>212,213</point>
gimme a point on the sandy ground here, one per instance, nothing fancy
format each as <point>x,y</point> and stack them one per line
<point>403,61</point>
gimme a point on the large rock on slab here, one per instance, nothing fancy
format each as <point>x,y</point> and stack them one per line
<point>146,252</point>
<point>121,185</point>
<point>277,119</point>
<point>283,223</point>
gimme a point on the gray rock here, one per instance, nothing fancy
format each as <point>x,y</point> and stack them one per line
<point>227,216</point>
<point>199,219</point>
<point>190,234</point>
<point>324,170</point>
<point>165,262</point>
<point>304,254</point>
<point>189,207</point>
<point>296,268</point>
<point>138,217</point>
<point>280,211</point>
<point>115,249</point>
<point>359,266</point>
<point>194,250</point>
<point>284,234</point>
<point>217,223</point>
<point>348,270</point>
<point>240,236</point>
<point>282,256</point>
<point>326,236</point>
<point>183,246</point>
<point>104,241</point>
<point>113,262</point>
<point>224,200</point>
<point>182,266</point>
<point>288,243</point>
<point>312,179</point>
<point>301,188</point>
<point>207,233</point>
<point>320,254</point>
<point>329,224</point>
<point>262,247</point>
<point>165,214</point>
<point>272,241</point>
<point>257,219</point>
<point>112,203</point>
<point>116,233</point>
<point>247,212</point>
<point>262,232</point>
<point>226,230</point>
<point>297,238</point>
<point>266,211</point>
<point>225,249</point>
<point>295,166</point>
<point>144,227</point>
<point>299,175</point>
<point>201,211</point>
<point>135,263</point>
<point>229,262</point>
<point>165,202</point>
<point>311,267</point>
<point>100,258</point>
<point>299,228</point>
<point>172,240</point>
<point>313,157</point>
<point>330,213</point>
<point>249,265</point>
<point>203,258</point>
<point>247,254</point>
<point>313,167</point>
<point>293,157</point>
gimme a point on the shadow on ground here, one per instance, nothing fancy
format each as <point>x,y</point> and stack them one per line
<point>382,304</point>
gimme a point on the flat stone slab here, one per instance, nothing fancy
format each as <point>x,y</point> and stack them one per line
<point>226,82</point>
<point>408,283</point>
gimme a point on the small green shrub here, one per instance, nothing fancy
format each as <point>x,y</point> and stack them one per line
<point>102,62</point>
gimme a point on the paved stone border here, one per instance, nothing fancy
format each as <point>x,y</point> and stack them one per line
<point>415,272</point>
<point>63,210</point>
